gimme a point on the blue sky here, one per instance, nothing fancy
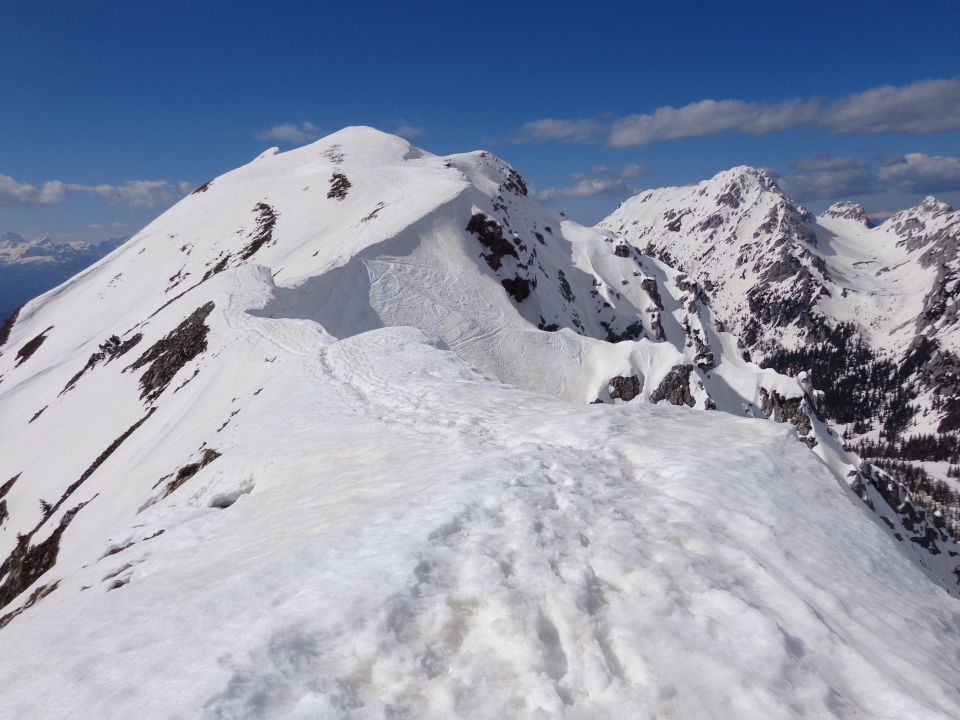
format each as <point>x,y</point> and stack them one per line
<point>109,109</point>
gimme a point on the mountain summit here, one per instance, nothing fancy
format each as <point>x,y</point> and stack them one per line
<point>360,431</point>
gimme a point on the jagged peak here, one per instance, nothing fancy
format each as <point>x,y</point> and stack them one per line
<point>930,207</point>
<point>848,210</point>
<point>931,204</point>
<point>746,173</point>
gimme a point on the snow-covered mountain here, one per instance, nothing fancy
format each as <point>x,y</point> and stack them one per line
<point>359,431</point>
<point>869,311</point>
<point>32,266</point>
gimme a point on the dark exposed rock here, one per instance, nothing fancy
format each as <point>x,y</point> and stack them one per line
<point>35,597</point>
<point>262,235</point>
<point>565,290</point>
<point>203,188</point>
<point>651,288</point>
<point>514,183</point>
<point>781,409</point>
<point>712,222</point>
<point>624,388</point>
<point>675,387</point>
<point>490,234</point>
<point>4,489</point>
<point>732,196</point>
<point>27,562</point>
<point>168,355</point>
<point>100,460</point>
<point>633,331</point>
<point>339,186</point>
<point>517,287</point>
<point>7,326</point>
<point>622,250</point>
<point>373,213</point>
<point>30,347</point>
<point>191,469</point>
<point>110,349</point>
<point>217,267</point>
<point>37,414</point>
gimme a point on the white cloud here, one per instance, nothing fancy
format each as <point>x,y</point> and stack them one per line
<point>291,133</point>
<point>135,193</point>
<point>921,173</point>
<point>920,107</point>
<point>835,178</point>
<point>600,180</point>
<point>577,131</point>
<point>634,170</point>
<point>17,193</point>
<point>829,177</point>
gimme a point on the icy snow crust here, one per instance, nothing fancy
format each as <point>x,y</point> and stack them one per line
<point>416,521</point>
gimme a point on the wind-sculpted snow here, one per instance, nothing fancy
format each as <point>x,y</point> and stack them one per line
<point>379,475</point>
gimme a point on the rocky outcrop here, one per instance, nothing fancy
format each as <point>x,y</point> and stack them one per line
<point>112,348</point>
<point>167,356</point>
<point>848,210</point>
<point>675,387</point>
<point>791,410</point>
<point>490,234</point>
<point>624,388</point>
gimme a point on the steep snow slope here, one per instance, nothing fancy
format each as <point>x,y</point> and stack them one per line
<point>268,443</point>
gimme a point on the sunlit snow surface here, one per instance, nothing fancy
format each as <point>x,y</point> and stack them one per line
<point>390,533</point>
<point>419,542</point>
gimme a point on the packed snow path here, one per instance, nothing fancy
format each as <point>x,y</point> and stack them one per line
<point>407,539</point>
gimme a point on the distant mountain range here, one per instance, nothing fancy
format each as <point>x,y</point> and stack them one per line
<point>29,267</point>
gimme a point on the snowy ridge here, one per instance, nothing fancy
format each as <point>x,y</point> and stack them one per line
<point>324,433</point>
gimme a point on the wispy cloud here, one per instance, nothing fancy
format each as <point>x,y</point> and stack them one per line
<point>834,178</point>
<point>290,133</point>
<point>574,131</point>
<point>920,107</point>
<point>408,131</point>
<point>137,193</point>
<point>600,180</point>
<point>829,177</point>
<point>133,193</point>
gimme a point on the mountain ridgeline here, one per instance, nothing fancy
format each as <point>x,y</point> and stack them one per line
<point>435,437</point>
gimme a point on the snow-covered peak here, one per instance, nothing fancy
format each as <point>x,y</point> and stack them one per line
<point>848,210</point>
<point>745,176</point>
<point>933,205</point>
